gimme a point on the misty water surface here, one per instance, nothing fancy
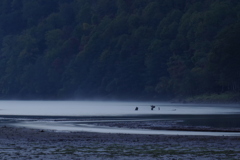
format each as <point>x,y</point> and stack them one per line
<point>98,108</point>
<point>74,115</point>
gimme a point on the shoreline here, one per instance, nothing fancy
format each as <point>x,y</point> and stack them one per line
<point>24,143</point>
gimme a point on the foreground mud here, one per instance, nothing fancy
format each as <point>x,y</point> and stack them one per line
<point>23,143</point>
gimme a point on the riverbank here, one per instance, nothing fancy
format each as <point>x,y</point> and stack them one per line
<point>23,143</point>
<point>229,98</point>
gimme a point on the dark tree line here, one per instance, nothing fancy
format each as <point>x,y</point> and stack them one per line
<point>118,49</point>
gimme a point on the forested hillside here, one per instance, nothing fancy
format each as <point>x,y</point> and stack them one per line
<point>59,49</point>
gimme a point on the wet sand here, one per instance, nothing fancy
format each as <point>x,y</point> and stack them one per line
<point>23,143</point>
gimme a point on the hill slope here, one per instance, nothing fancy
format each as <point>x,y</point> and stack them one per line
<point>118,49</point>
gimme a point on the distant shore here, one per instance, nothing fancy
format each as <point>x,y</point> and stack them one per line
<point>229,98</point>
<point>23,143</point>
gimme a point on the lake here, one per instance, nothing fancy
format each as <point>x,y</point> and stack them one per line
<point>116,117</point>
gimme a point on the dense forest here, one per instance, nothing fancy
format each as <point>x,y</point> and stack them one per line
<point>61,49</point>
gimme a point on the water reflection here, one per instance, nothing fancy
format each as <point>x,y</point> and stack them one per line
<point>88,126</point>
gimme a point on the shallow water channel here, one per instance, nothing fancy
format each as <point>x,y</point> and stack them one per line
<point>121,117</point>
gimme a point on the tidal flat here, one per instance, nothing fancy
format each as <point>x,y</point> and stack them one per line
<point>24,143</point>
<point>71,130</point>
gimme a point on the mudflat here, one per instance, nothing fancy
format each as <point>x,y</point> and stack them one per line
<point>23,144</point>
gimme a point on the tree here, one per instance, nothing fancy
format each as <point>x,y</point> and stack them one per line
<point>225,58</point>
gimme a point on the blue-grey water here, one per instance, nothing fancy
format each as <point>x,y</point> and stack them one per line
<point>89,115</point>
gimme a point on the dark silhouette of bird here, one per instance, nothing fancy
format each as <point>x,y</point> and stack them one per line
<point>152,107</point>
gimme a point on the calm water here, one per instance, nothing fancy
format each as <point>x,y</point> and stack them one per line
<point>79,115</point>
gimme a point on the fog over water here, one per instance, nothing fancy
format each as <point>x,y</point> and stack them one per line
<point>99,108</point>
<point>74,115</point>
